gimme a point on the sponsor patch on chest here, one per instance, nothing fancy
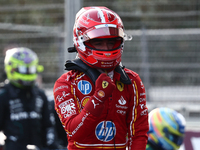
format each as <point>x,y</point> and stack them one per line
<point>84,87</point>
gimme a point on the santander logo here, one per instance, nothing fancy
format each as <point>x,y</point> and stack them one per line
<point>122,101</point>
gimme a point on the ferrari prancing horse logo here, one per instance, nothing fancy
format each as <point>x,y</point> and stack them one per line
<point>104,84</point>
<point>120,86</point>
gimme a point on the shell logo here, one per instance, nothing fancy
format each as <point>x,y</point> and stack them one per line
<point>85,100</point>
<point>101,93</point>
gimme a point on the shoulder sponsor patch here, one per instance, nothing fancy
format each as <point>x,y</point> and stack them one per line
<point>84,87</point>
<point>120,86</point>
<point>61,87</point>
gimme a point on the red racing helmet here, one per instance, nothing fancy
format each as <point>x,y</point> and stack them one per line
<point>98,23</point>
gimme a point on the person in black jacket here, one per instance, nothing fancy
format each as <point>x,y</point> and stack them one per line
<point>61,136</point>
<point>25,117</point>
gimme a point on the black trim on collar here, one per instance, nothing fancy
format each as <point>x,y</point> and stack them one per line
<point>78,64</point>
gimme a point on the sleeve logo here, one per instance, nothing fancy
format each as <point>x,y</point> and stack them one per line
<point>68,108</point>
<point>101,93</point>
<point>84,87</point>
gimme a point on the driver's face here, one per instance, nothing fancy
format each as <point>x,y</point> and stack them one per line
<point>102,44</point>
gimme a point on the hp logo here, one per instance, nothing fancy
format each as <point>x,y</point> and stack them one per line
<point>84,86</point>
<point>105,131</point>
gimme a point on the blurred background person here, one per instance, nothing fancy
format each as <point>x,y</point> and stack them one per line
<point>25,115</point>
<point>166,129</point>
<point>38,80</point>
<point>61,136</point>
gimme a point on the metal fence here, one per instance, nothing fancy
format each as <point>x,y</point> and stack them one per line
<point>164,50</point>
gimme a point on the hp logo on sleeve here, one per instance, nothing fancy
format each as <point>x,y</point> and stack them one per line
<point>105,131</point>
<point>85,87</point>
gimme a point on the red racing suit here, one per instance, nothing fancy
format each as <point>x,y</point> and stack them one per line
<point>122,123</point>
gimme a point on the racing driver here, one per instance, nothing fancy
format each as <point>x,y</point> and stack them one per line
<point>101,104</point>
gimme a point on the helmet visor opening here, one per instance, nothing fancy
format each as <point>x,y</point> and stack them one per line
<point>104,44</point>
<point>26,70</point>
<point>103,32</point>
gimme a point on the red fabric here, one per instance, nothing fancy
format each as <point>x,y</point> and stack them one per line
<point>122,121</point>
<point>104,87</point>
